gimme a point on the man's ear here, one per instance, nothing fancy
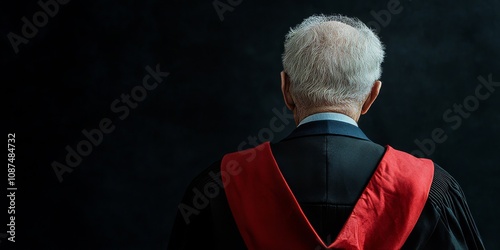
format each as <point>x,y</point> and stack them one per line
<point>371,97</point>
<point>285,89</point>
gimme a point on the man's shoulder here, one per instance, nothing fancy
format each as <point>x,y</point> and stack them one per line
<point>443,183</point>
<point>444,187</point>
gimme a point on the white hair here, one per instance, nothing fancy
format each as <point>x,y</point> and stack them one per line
<point>332,60</point>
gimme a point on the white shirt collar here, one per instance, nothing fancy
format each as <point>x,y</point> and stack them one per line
<point>328,116</point>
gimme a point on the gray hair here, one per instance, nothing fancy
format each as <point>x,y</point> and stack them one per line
<point>332,60</point>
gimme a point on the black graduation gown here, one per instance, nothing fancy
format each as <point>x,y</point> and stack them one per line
<point>339,160</point>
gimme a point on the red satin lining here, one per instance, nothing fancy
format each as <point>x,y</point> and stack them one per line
<point>268,215</point>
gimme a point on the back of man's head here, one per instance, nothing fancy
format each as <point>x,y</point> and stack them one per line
<point>332,61</point>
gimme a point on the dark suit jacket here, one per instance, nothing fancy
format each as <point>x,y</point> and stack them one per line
<point>327,165</point>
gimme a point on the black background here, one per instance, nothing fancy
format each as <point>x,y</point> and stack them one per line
<point>222,87</point>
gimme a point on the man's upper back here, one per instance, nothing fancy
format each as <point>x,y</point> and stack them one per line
<point>327,171</point>
<point>327,174</point>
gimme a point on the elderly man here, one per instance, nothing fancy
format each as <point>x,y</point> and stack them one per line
<point>326,185</point>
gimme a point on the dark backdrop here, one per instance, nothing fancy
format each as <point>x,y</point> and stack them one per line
<point>222,87</point>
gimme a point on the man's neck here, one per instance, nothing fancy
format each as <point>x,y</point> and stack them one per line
<point>300,115</point>
<point>328,116</point>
